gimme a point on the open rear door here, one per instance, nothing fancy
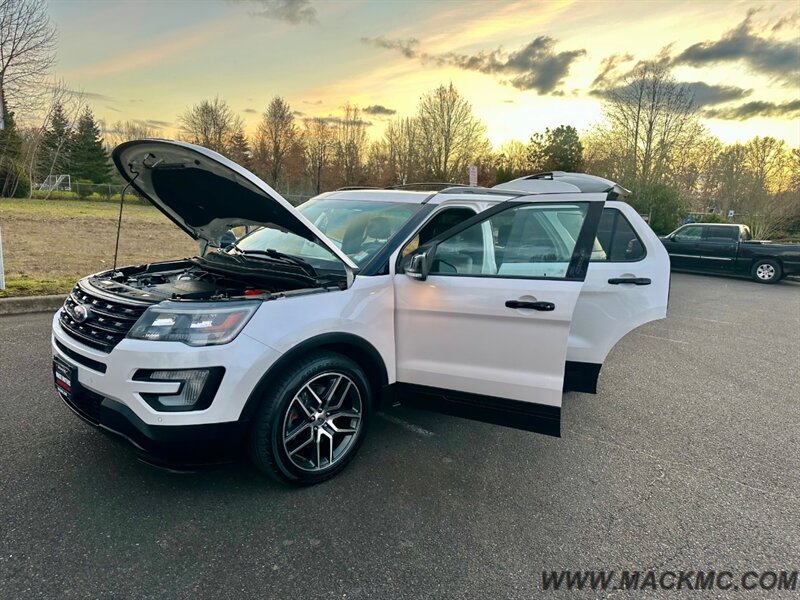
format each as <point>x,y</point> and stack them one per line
<point>483,312</point>
<point>627,285</point>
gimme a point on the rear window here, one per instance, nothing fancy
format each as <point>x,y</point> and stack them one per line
<point>722,233</point>
<point>617,239</point>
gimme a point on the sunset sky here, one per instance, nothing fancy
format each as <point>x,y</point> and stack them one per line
<point>524,65</point>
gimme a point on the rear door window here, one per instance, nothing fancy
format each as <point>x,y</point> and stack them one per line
<point>617,239</point>
<point>721,233</point>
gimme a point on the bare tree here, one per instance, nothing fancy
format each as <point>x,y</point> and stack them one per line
<point>318,145</point>
<point>350,145</point>
<point>653,118</point>
<point>123,131</point>
<point>755,180</point>
<point>401,140</point>
<point>27,51</point>
<point>451,136</point>
<point>211,124</point>
<point>275,137</point>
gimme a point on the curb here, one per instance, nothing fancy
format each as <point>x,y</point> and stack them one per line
<point>30,304</point>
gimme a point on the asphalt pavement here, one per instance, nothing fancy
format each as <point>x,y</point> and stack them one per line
<point>687,458</point>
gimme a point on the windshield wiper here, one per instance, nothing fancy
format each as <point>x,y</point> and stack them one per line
<point>280,256</point>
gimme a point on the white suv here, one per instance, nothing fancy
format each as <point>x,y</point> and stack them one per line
<point>482,303</point>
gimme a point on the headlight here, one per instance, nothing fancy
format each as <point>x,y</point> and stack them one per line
<point>201,324</point>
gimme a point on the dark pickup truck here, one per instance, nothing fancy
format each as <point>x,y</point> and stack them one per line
<point>729,250</point>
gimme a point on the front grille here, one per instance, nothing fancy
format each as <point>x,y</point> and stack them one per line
<point>106,323</point>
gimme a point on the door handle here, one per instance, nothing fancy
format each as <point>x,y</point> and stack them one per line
<point>633,280</point>
<point>546,306</point>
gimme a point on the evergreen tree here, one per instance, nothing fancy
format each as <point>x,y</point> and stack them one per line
<point>558,149</point>
<point>239,150</point>
<point>88,158</point>
<point>54,157</point>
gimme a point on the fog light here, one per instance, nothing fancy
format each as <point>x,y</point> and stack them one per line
<point>196,391</point>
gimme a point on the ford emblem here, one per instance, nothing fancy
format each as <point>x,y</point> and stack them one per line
<point>80,313</point>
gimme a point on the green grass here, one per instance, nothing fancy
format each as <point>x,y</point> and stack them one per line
<point>32,286</point>
<point>50,244</point>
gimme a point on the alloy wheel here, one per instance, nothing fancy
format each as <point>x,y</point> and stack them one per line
<point>322,421</point>
<point>765,272</point>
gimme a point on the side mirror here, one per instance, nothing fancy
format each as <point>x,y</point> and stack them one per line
<point>419,265</point>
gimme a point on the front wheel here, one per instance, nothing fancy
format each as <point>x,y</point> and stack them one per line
<point>312,421</point>
<point>767,271</point>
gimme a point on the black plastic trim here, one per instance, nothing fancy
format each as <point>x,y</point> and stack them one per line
<point>357,348</point>
<point>89,363</point>
<point>529,416</point>
<point>581,377</point>
<point>203,401</point>
<point>173,446</point>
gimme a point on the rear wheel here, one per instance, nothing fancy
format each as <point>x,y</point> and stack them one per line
<point>767,271</point>
<point>312,421</point>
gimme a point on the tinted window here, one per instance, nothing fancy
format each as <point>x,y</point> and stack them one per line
<point>617,239</point>
<point>722,233</point>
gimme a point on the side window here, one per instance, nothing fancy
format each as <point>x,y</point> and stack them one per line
<point>439,223</point>
<point>616,239</point>
<point>692,233</point>
<point>529,240</point>
<point>722,233</point>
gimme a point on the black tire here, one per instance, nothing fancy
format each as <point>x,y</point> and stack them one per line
<point>767,270</point>
<point>291,406</point>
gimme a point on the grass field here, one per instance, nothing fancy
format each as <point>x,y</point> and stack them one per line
<point>50,244</point>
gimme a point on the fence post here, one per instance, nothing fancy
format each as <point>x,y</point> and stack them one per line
<point>2,268</point>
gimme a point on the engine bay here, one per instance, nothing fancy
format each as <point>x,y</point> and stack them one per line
<point>196,279</point>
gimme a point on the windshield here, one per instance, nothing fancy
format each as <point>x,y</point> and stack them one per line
<point>359,227</point>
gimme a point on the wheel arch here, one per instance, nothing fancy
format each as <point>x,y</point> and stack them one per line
<point>346,344</point>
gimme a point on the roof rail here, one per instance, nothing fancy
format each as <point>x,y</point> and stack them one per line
<point>348,188</point>
<point>427,184</point>
<point>481,190</point>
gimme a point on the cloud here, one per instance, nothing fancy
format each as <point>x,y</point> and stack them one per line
<point>379,110</point>
<point>88,95</point>
<point>609,67</point>
<point>313,102</point>
<point>771,56</point>
<point>756,108</point>
<point>297,113</point>
<point>251,111</point>
<point>706,95</point>
<point>336,121</point>
<point>407,48</point>
<point>109,107</point>
<point>536,66</point>
<point>295,12</point>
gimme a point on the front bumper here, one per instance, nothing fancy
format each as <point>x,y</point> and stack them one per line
<point>108,396</point>
<point>170,446</point>
<point>112,375</point>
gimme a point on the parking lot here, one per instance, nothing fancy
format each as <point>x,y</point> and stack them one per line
<point>687,458</point>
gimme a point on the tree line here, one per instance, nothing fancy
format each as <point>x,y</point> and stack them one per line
<point>651,141</point>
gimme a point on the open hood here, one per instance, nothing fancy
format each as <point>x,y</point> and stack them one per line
<point>206,194</point>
